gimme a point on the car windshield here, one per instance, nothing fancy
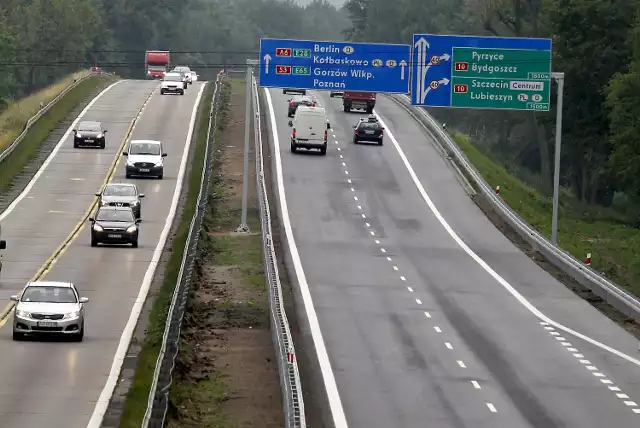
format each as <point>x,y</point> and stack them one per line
<point>144,149</point>
<point>115,190</point>
<point>182,69</point>
<point>115,216</point>
<point>172,78</point>
<point>89,127</point>
<point>39,294</point>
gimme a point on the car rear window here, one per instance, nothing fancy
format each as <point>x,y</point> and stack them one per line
<point>119,191</point>
<point>369,126</point>
<point>88,126</point>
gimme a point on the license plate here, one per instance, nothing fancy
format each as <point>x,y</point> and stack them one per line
<point>47,324</point>
<point>115,236</point>
<point>89,141</point>
<point>368,132</point>
<point>145,170</point>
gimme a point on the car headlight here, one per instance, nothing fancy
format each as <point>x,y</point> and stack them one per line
<point>97,228</point>
<point>103,203</point>
<point>79,135</point>
<point>129,162</point>
<point>135,203</point>
<point>132,229</point>
<point>23,314</point>
<point>74,314</point>
<point>158,163</point>
<point>100,136</point>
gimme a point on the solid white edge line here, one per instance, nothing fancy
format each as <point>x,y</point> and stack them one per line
<point>105,396</point>
<point>54,152</point>
<point>333,396</point>
<point>507,286</point>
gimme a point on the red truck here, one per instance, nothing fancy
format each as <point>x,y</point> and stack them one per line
<point>359,100</point>
<point>156,64</point>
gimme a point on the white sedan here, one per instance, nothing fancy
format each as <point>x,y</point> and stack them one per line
<point>194,76</point>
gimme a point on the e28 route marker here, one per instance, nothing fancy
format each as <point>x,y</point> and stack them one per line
<point>339,66</point>
<point>509,73</point>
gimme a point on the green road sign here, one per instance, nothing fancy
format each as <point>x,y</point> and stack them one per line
<point>513,79</point>
<point>302,70</point>
<point>302,53</point>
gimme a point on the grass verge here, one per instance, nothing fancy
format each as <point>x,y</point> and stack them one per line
<point>13,118</point>
<point>226,375</point>
<point>137,396</point>
<point>614,247</point>
<point>41,129</point>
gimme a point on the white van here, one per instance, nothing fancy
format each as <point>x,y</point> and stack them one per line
<point>310,127</point>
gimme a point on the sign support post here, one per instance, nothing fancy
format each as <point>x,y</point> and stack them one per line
<point>244,227</point>
<point>559,77</point>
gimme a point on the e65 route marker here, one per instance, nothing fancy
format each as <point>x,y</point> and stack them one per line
<point>339,66</point>
<point>509,73</point>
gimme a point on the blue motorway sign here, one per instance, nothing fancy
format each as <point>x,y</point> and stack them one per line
<point>334,66</point>
<point>481,72</point>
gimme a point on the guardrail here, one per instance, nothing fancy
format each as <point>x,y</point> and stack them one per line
<point>158,402</point>
<point>7,152</point>
<point>281,334</point>
<point>587,277</point>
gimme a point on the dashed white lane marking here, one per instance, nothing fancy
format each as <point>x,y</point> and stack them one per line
<point>590,366</point>
<point>492,408</point>
<point>427,314</point>
<point>383,250</point>
<point>395,268</point>
<point>410,289</point>
<point>402,278</point>
<point>448,345</point>
<point>475,384</point>
<point>363,216</point>
<point>418,301</point>
<point>461,364</point>
<point>437,329</point>
<point>388,259</point>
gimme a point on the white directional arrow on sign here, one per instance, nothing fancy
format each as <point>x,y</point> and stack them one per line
<point>266,58</point>
<point>422,45</point>
<point>442,82</point>
<point>443,57</point>
<point>403,64</point>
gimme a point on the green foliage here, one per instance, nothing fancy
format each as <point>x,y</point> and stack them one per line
<point>592,44</point>
<point>43,40</point>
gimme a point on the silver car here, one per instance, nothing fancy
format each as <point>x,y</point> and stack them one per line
<point>121,195</point>
<point>47,307</point>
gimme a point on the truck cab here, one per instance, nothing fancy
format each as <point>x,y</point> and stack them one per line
<point>359,100</point>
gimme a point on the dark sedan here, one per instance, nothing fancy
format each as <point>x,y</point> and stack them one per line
<point>114,225</point>
<point>90,134</point>
<point>368,130</point>
<point>299,100</point>
<point>122,195</point>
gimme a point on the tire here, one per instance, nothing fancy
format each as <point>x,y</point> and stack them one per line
<point>127,175</point>
<point>294,148</point>
<point>75,145</point>
<point>103,145</point>
<point>134,244</point>
<point>284,92</point>
<point>182,92</point>
<point>94,242</point>
<point>160,176</point>
<point>80,336</point>
<point>323,150</point>
<point>331,95</point>
<point>369,110</point>
<point>355,141</point>
<point>380,142</point>
<point>161,91</point>
<point>17,336</point>
<point>304,92</point>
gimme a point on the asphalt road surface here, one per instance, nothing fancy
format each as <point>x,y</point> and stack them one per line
<point>418,332</point>
<point>55,383</point>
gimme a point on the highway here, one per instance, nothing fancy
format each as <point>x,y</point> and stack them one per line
<point>55,383</point>
<point>429,315</point>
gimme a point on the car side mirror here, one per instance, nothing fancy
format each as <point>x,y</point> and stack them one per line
<point>290,123</point>
<point>14,298</point>
<point>138,220</point>
<point>125,153</point>
<point>141,195</point>
<point>328,125</point>
<point>92,220</point>
<point>84,300</point>
<point>3,245</point>
<point>105,131</point>
<point>164,155</point>
<point>74,130</point>
<point>98,194</point>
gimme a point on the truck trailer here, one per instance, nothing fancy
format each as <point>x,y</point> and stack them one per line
<point>359,100</point>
